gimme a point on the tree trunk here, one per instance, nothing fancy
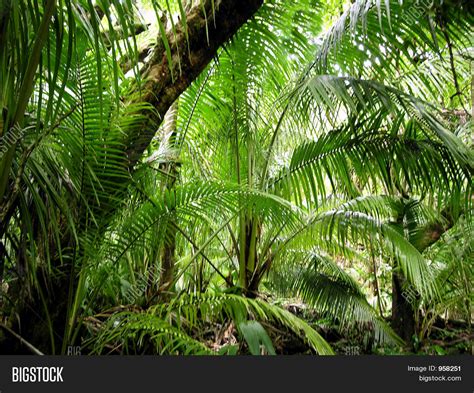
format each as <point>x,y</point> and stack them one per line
<point>403,313</point>
<point>208,29</point>
<point>170,169</point>
<point>404,296</point>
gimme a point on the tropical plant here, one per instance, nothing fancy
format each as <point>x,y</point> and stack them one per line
<point>148,162</point>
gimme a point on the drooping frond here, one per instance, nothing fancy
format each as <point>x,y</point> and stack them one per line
<point>134,333</point>
<point>356,161</point>
<point>355,227</point>
<point>206,202</point>
<point>209,306</point>
<point>171,328</point>
<point>331,291</point>
<point>379,101</point>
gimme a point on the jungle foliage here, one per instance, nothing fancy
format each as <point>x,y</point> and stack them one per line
<point>225,177</point>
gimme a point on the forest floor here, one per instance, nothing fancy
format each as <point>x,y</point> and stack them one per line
<point>445,338</point>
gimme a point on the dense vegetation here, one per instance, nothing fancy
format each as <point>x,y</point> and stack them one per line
<point>236,177</point>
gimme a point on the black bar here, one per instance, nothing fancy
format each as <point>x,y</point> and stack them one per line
<point>247,374</point>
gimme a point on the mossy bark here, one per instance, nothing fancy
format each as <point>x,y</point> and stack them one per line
<point>207,29</point>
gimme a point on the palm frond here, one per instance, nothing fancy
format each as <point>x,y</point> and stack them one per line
<point>331,291</point>
<point>194,308</point>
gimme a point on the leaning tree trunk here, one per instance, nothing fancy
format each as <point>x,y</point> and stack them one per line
<point>209,25</point>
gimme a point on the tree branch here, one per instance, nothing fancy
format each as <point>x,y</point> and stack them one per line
<point>207,31</point>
